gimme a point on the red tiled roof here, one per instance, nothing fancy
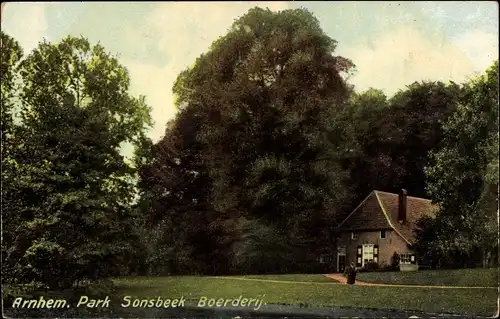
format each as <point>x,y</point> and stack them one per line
<point>367,216</point>
<point>379,210</point>
<point>416,208</point>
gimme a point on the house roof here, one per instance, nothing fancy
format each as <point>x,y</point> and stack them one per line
<point>379,210</point>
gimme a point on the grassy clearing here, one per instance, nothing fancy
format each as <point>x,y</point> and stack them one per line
<point>471,302</point>
<point>455,277</point>
<point>291,277</point>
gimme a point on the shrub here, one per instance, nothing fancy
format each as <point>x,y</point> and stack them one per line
<point>99,288</point>
<point>371,266</point>
<point>395,261</point>
<point>385,267</point>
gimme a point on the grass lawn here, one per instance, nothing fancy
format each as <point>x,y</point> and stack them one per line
<point>456,277</point>
<point>291,277</point>
<point>465,301</point>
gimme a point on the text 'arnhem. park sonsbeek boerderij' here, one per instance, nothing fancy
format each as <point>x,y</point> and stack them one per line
<point>130,302</point>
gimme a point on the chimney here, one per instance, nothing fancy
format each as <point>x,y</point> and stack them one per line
<point>402,206</point>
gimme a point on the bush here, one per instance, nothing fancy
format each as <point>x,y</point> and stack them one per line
<point>374,267</point>
<point>13,291</point>
<point>370,266</point>
<point>99,288</point>
<point>385,267</point>
<point>395,261</point>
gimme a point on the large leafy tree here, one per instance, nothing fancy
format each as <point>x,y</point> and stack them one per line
<point>463,177</point>
<point>11,54</point>
<point>370,165</point>
<point>267,96</point>
<point>76,188</point>
<point>187,232</point>
<point>414,128</point>
<point>393,137</point>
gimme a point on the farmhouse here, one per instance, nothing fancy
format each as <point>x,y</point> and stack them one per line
<point>383,224</point>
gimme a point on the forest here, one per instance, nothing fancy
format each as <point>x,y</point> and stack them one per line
<point>271,147</point>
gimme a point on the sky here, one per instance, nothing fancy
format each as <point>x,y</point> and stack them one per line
<point>392,44</point>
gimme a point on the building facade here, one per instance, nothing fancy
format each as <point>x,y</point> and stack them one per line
<point>382,225</point>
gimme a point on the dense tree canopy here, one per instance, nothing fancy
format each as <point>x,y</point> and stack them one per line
<point>74,186</point>
<point>395,135</point>
<point>11,53</point>
<point>264,101</point>
<point>463,177</point>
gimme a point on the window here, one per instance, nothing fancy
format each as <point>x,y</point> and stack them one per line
<point>382,234</point>
<point>325,259</point>
<point>406,258</point>
<point>367,253</point>
<point>354,235</point>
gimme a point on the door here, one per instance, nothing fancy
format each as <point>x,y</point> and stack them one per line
<point>341,265</point>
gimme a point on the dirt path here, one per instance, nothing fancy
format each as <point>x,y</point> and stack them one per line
<point>338,279</point>
<point>277,281</point>
<point>343,280</point>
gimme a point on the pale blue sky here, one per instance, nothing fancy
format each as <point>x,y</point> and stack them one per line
<point>392,43</point>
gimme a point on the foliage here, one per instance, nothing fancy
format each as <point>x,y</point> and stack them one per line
<point>395,261</point>
<point>75,218</point>
<point>463,177</point>
<point>371,266</point>
<point>262,249</point>
<point>188,235</point>
<point>266,97</point>
<point>394,136</point>
<point>11,54</point>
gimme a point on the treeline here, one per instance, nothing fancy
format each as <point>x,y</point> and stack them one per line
<point>270,148</point>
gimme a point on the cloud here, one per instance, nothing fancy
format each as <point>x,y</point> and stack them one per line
<point>26,23</point>
<point>183,30</point>
<point>480,47</point>
<point>405,55</point>
<point>156,84</point>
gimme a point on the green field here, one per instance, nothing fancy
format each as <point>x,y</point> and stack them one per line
<point>313,291</point>
<point>291,277</point>
<point>457,277</point>
<point>305,291</point>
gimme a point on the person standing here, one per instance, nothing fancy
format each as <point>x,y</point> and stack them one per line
<point>351,274</point>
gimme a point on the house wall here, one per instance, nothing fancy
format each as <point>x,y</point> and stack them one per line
<point>386,246</point>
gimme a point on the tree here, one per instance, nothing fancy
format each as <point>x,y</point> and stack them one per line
<point>392,137</point>
<point>11,54</point>
<point>76,188</point>
<point>415,122</point>
<point>463,177</point>
<point>176,182</point>
<point>370,165</point>
<point>267,95</point>
<point>262,249</point>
